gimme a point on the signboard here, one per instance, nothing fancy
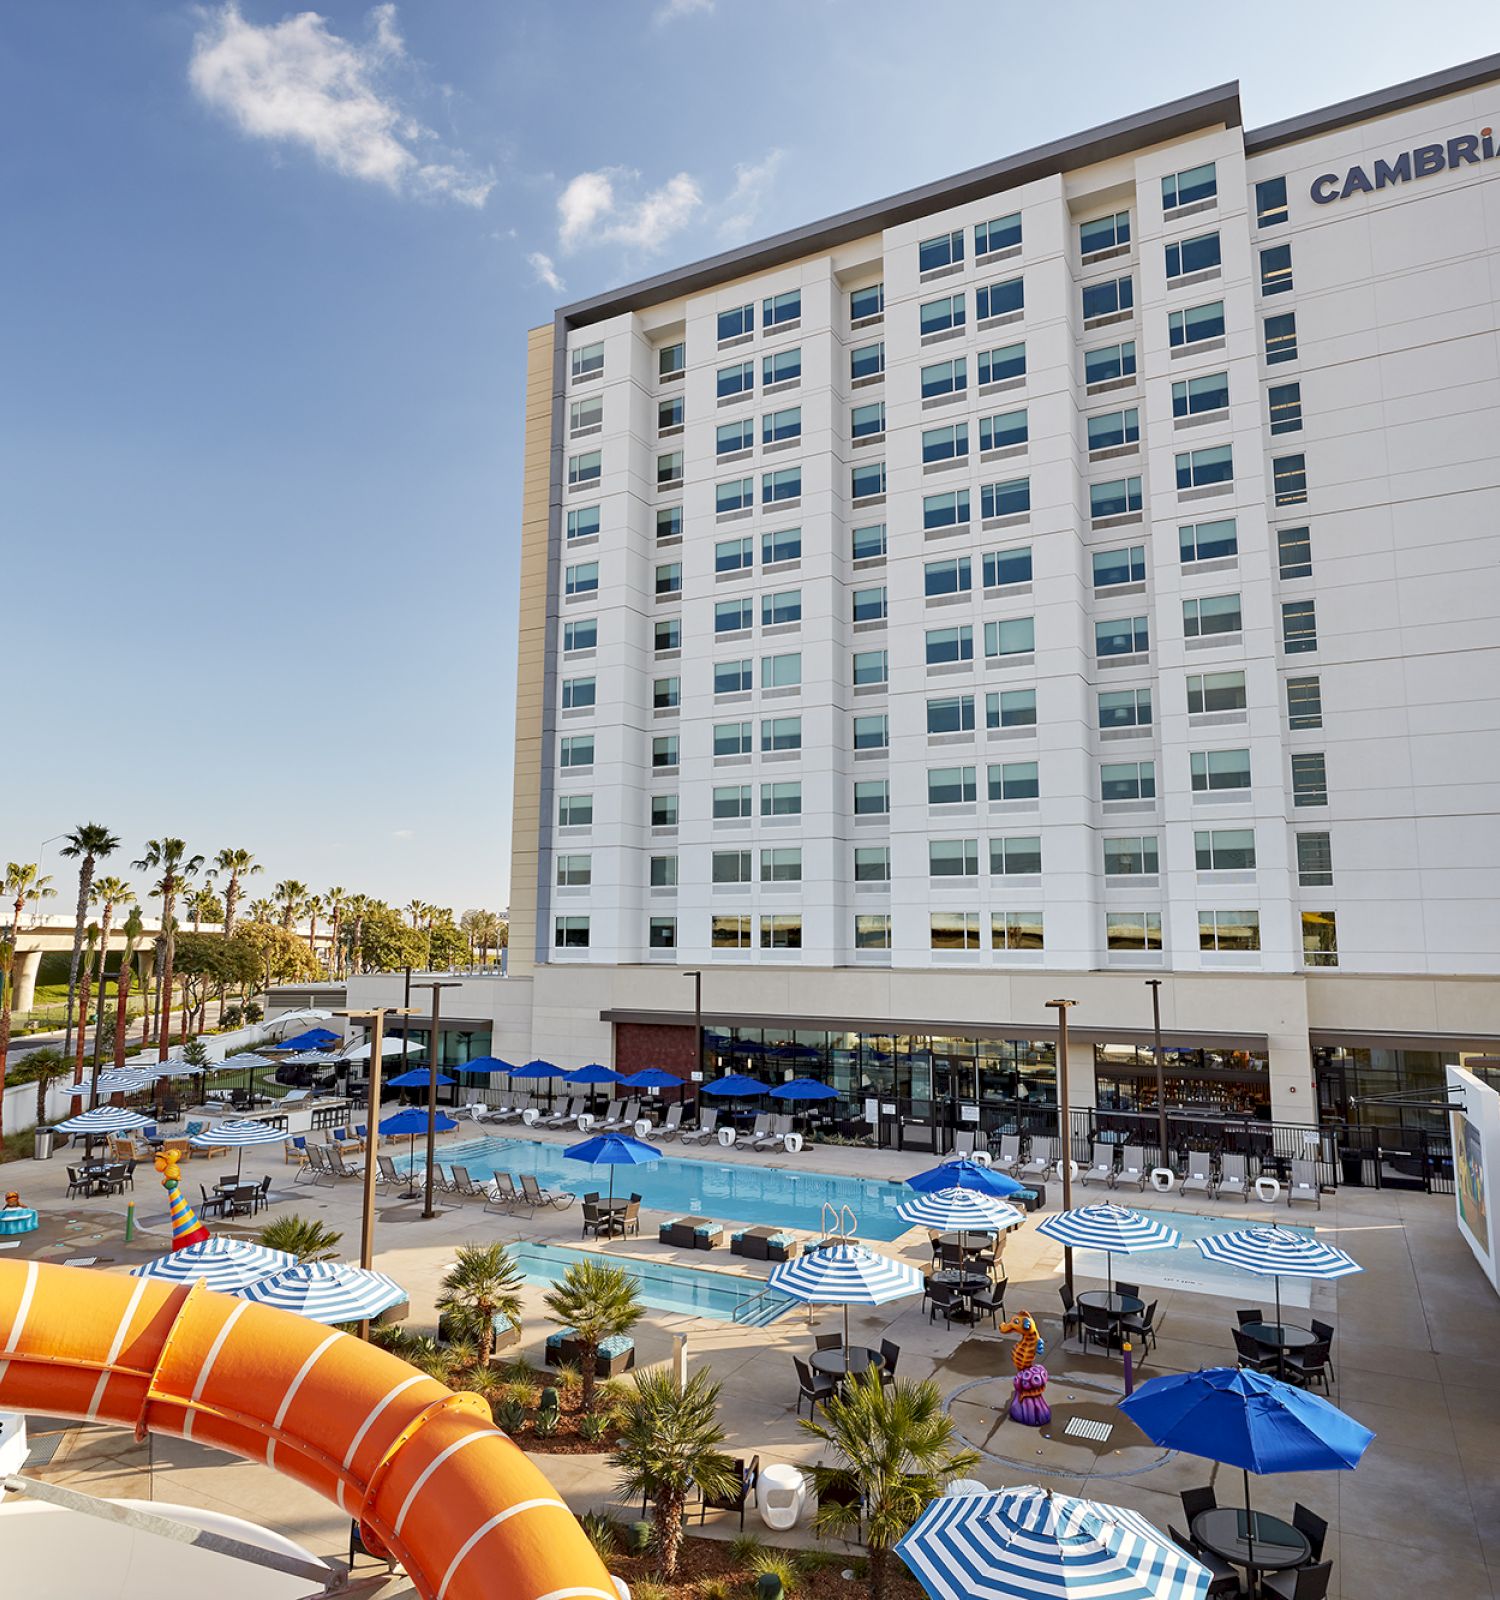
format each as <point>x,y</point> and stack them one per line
<point>968,1113</point>
<point>1476,1165</point>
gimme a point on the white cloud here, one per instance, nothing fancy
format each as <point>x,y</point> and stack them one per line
<point>404,833</point>
<point>596,208</point>
<point>296,82</point>
<point>546,272</point>
<point>674,10</point>
<point>740,210</point>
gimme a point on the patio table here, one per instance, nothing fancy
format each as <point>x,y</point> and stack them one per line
<point>1254,1540</point>
<point>1117,1306</point>
<point>1280,1337</point>
<point>846,1361</point>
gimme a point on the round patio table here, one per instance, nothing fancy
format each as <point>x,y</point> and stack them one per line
<point>846,1361</point>
<point>1113,1305</point>
<point>972,1243</point>
<point>1254,1540</point>
<point>1280,1335</point>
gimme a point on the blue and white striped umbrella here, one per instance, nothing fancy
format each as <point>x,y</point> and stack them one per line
<point>960,1211</point>
<point>115,1080</point>
<point>1272,1252</point>
<point>237,1131</point>
<point>844,1275</point>
<point>1030,1544</point>
<point>327,1291</point>
<point>221,1262</point>
<point>104,1119</point>
<point>1116,1230</point>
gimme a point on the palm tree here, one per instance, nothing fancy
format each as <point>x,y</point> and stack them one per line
<point>356,908</point>
<point>313,906</point>
<point>239,865</point>
<point>90,948</point>
<point>23,883</point>
<point>87,844</point>
<point>416,910</point>
<point>110,892</point>
<point>336,900</point>
<point>169,857</point>
<point>894,1447</point>
<point>262,911</point>
<point>304,1237</point>
<point>597,1301</point>
<point>133,929</point>
<point>483,1283</point>
<point>292,896</point>
<point>670,1443</point>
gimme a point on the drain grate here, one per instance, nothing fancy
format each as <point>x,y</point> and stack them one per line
<point>1087,1428</point>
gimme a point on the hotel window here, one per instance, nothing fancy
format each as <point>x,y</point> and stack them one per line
<point>1132,930</point>
<point>581,578</point>
<point>668,579</point>
<point>1122,636</point>
<point>584,469</point>
<point>872,732</point>
<point>1281,338</point>
<point>869,605</point>
<point>664,811</point>
<point>999,233</point>
<point>664,750</point>
<point>868,302</point>
<point>871,666</point>
<point>938,316</point>
<point>1014,780</point>
<point>1218,770</point>
<point>1314,860</point>
<point>1299,626</point>
<point>1309,780</point>
<point>1193,396</point>
<point>1208,541</point>
<point>1017,636</point>
<point>950,786</point>
<point>666,694</point>
<point>573,872</point>
<point>587,360</point>
<point>943,444</point>
<point>730,933</point>
<point>943,250</point>
<point>781,799</point>
<point>1107,298</point>
<point>1124,708</point>
<point>1116,498</point>
<point>583,523</point>
<point>947,645</point>
<point>945,377</point>
<point>1127,564</point>
<point>777,609</point>
<point>661,933</point>
<point>1270,202</point>
<point>734,738</point>
<point>867,544</point>
<point>1003,363</point>
<point>1229,930</point>
<point>586,413</point>
<point>780,308</point>
<point>732,801</point>
<point>1284,407</point>
<point>576,750</point>
<point>1276,269</point>
<point>781,865</point>
<point>867,361</point>
<point>1109,362</point>
<point>1010,708</point>
<point>575,810</point>
<point>999,299</point>
<point>734,555</point>
<point>781,733</point>
<point>1294,552</point>
<point>578,693</point>
<point>670,413</point>
<point>732,677</point>
<point>777,427</point>
<point>865,422</point>
<point>948,510</point>
<point>1304,703</point>
<point>669,522</point>
<point>785,545</point>
<point>1005,499</point>
<point>1015,857</point>
<point>1127,780</point>
<point>1189,186</point>
<point>669,634</point>
<point>736,379</point>
<point>1003,431</point>
<point>1005,567</point>
<point>1133,856</point>
<point>954,930</point>
<point>730,616</point>
<point>663,872</point>
<point>947,577</point>
<point>735,322</point>
<point>1104,233</point>
<point>732,436</point>
<point>730,866</point>
<point>783,485</point>
<point>953,858</point>
<point>872,863</point>
<point>738,494</point>
<point>950,713</point>
<point>1113,429</point>
<point>781,672</point>
<point>1320,939</point>
<point>781,366</point>
<point>671,360</point>
<point>1215,691</point>
<point>1016,930</point>
<point>1211,614</point>
<point>1197,254</point>
<point>872,797</point>
<point>865,480</point>
<point>669,469</point>
<point>570,933</point>
<point>1195,324</point>
<point>1197,469</point>
<point>1224,849</point>
<point>580,635</point>
<point>872,932</point>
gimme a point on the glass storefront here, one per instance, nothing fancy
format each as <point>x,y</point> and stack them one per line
<point>1220,1083</point>
<point>1349,1078</point>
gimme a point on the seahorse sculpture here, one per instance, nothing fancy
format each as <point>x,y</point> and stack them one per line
<point>1029,1404</point>
<point>186,1227</point>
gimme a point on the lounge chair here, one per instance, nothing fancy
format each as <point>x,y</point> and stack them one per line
<point>1009,1157</point>
<point>963,1142</point>
<point>319,1168</point>
<point>630,1115</point>
<point>386,1174</point>
<point>500,1194</point>
<point>1199,1178</point>
<point>337,1165</point>
<point>776,1134</point>
<point>1304,1187</point>
<point>560,1119</point>
<point>611,1118</point>
<point>1040,1162</point>
<point>473,1111</point>
<point>755,1134</point>
<point>1232,1177</point>
<point>464,1186</point>
<point>668,1129</point>
<point>705,1129</point>
<point>1133,1168</point>
<point>537,1196</point>
<point>1102,1169</point>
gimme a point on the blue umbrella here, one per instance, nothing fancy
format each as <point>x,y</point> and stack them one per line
<point>591,1074</point>
<point>736,1084</point>
<point>412,1120</point>
<point>965,1174</point>
<point>313,1039</point>
<point>613,1150</point>
<point>486,1064</point>
<point>539,1069</point>
<point>1248,1420</point>
<point>804,1089</point>
<point>652,1078</point>
<point>417,1078</point>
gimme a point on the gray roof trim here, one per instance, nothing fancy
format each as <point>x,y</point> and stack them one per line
<point>1451,80</point>
<point>1401,1039</point>
<point>1174,120</point>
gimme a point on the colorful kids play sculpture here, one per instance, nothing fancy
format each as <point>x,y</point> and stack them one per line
<point>1029,1404</point>
<point>186,1228</point>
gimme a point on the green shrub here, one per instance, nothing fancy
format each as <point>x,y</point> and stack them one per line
<point>811,1561</point>
<point>544,1424</point>
<point>715,1589</point>
<point>510,1415</point>
<point>776,1574</point>
<point>638,1538</point>
<point>569,1380</point>
<point>603,1533</point>
<point>593,1427</point>
<point>522,1391</point>
<point>744,1548</point>
<point>645,1589</point>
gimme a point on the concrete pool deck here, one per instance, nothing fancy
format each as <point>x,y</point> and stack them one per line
<point>1417,1355</point>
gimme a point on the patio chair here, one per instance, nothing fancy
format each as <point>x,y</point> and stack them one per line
<point>569,1113</point>
<point>263,1194</point>
<point>814,1387</point>
<point>1141,1330</point>
<point>780,1127</point>
<point>1070,1317</point>
<point>1131,1291</point>
<point>1223,1579</point>
<point>1102,1169</point>
<point>337,1165</point>
<point>500,1194</point>
<point>211,1205</point>
<point>705,1130</point>
<point>1096,1326</point>
<point>668,1129</point>
<point>963,1142</point>
<point>1196,1501</point>
<point>1299,1583</point>
<point>1254,1356</point>
<point>1199,1178</point>
<point>1313,1528</point>
<point>241,1200</point>
<point>828,1341</point>
<point>748,1136</point>
<point>1304,1188</point>
<point>630,1115</point>
<point>989,1302</point>
<point>295,1149</point>
<point>890,1354</point>
<point>1133,1168</point>
<point>77,1185</point>
<point>595,1221</point>
<point>1308,1365</point>
<point>1042,1159</point>
<point>1249,1314</point>
<point>537,1196</point>
<point>1008,1157</point>
<point>945,1298</point>
<point>738,1497</point>
<point>611,1118</point>
<point>1233,1177</point>
<point>464,1186</point>
<point>311,1164</point>
<point>1324,1330</point>
<point>127,1177</point>
<point>631,1222</point>
<point>386,1175</point>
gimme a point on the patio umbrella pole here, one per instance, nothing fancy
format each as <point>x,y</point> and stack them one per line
<point>1249,1523</point>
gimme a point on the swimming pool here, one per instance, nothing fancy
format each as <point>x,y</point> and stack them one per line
<point>776,1197</point>
<point>722,1296</point>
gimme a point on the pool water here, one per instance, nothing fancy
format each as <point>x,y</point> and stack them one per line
<point>722,1296</point>
<point>769,1196</point>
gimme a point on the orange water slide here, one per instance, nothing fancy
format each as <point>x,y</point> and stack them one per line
<point>426,1472</point>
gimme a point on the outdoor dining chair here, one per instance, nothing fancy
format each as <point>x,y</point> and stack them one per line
<point>828,1341</point>
<point>1247,1314</point>
<point>1308,1365</point>
<point>1313,1528</point>
<point>211,1205</point>
<point>1299,1583</point>
<point>890,1354</point>
<point>1131,1291</point>
<point>1223,1580</point>
<point>945,1298</point>
<point>1141,1330</point>
<point>1070,1317</point>
<point>815,1388</point>
<point>989,1302</point>
<point>1196,1501</point>
<point>1097,1326</point>
<point>1324,1330</point>
<point>1255,1356</point>
<point>746,1478</point>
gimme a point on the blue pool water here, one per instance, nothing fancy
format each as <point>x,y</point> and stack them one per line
<point>774,1197</point>
<point>723,1296</point>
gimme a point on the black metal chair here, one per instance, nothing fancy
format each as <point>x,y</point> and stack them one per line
<point>1070,1318</point>
<point>1131,1291</point>
<point>1325,1330</point>
<point>813,1387</point>
<point>1196,1501</point>
<point>1249,1314</point>
<point>829,1341</point>
<point>1313,1528</point>
<point>1223,1579</point>
<point>1096,1326</point>
<point>1309,1365</point>
<point>989,1302</point>
<point>263,1198</point>
<point>1299,1583</point>
<point>890,1354</point>
<point>945,1298</point>
<point>1141,1330</point>
<point>1253,1355</point>
<point>738,1498</point>
<point>212,1204</point>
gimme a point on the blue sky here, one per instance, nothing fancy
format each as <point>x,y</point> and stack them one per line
<point>266,285</point>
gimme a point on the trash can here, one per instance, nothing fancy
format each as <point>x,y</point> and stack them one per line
<point>44,1142</point>
<point>1353,1164</point>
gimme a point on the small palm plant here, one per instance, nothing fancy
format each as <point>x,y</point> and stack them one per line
<point>894,1453</point>
<point>483,1283</point>
<point>304,1237</point>
<point>669,1442</point>
<point>598,1302</point>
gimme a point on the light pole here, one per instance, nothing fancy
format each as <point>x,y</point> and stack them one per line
<point>428,1209</point>
<point>697,978</point>
<point>1065,1122</point>
<point>1154,985</point>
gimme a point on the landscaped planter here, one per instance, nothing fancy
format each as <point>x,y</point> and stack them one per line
<point>615,1354</point>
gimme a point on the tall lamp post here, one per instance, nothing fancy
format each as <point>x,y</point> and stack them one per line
<point>1065,1122</point>
<point>433,1045</point>
<point>1154,985</point>
<point>697,978</point>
